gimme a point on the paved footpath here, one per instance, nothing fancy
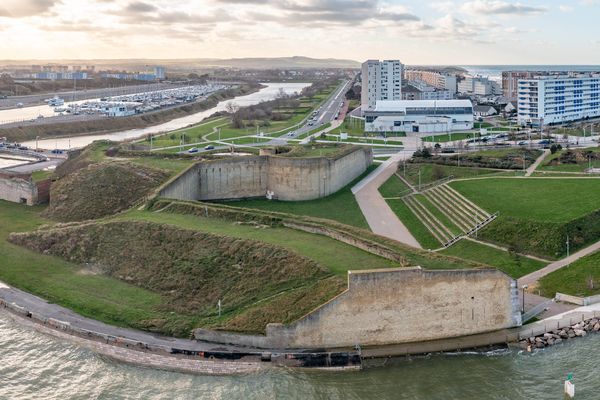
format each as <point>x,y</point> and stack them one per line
<point>380,217</point>
<point>532,278</point>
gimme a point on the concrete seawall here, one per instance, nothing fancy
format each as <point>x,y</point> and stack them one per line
<point>285,178</point>
<point>397,306</point>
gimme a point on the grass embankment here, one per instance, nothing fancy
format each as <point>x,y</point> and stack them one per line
<point>30,132</point>
<point>191,271</point>
<point>340,206</point>
<point>434,172</point>
<point>413,224</point>
<point>582,278</point>
<point>451,137</point>
<point>572,160</point>
<point>394,187</point>
<point>536,215</point>
<point>513,264</point>
<point>509,158</point>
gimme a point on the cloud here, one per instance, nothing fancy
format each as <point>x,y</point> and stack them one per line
<point>565,8</point>
<point>25,8</point>
<point>140,7</point>
<point>499,7</point>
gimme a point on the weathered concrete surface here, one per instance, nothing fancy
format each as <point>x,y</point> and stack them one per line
<point>287,178</point>
<point>393,306</point>
<point>19,188</point>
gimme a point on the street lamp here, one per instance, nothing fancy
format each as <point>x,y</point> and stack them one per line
<point>524,287</point>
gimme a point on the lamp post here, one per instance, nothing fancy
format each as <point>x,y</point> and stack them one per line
<point>567,245</point>
<point>524,288</point>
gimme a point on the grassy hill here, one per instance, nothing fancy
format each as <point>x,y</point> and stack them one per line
<point>191,271</point>
<point>537,215</point>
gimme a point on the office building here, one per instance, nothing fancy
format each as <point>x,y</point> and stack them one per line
<point>558,98</point>
<point>420,116</point>
<point>381,80</point>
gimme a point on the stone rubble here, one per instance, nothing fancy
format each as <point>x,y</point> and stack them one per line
<point>559,335</point>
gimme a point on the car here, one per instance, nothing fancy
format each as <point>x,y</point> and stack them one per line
<point>193,150</point>
<point>23,148</point>
<point>546,141</point>
<point>522,143</point>
<point>56,151</point>
<point>447,151</point>
<point>209,147</point>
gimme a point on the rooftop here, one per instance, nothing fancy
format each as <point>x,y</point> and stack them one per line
<point>395,105</point>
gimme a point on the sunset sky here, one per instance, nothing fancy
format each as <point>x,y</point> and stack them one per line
<point>417,32</point>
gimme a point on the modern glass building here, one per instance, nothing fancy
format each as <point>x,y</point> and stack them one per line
<point>556,99</point>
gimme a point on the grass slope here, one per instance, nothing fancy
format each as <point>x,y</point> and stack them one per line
<point>514,265</point>
<point>413,224</point>
<point>582,278</point>
<point>340,206</point>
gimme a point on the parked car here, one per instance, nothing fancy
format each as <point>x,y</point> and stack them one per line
<point>209,147</point>
<point>193,150</point>
<point>546,142</point>
<point>56,151</point>
<point>522,143</point>
<point>23,148</point>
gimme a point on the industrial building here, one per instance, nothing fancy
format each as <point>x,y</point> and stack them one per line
<point>420,116</point>
<point>381,80</point>
<point>558,98</point>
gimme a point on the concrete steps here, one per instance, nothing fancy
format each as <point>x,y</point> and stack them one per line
<point>433,225</point>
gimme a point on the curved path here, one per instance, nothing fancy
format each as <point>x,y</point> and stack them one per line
<point>380,217</point>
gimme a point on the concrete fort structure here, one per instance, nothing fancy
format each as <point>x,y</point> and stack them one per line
<point>274,176</point>
<point>420,116</point>
<point>20,188</point>
<point>381,80</point>
<point>397,306</point>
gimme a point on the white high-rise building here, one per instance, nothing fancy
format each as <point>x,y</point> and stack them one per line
<point>159,72</point>
<point>479,86</point>
<point>381,80</point>
<point>554,99</point>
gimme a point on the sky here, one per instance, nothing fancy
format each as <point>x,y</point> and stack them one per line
<point>457,32</point>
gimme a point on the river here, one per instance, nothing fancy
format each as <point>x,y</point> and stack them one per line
<point>265,94</point>
<point>37,366</point>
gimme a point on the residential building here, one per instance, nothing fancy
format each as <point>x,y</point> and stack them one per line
<point>419,90</point>
<point>159,72</point>
<point>420,116</point>
<point>478,86</point>
<point>557,98</point>
<point>484,111</point>
<point>381,80</point>
<point>510,82</point>
<point>437,79</point>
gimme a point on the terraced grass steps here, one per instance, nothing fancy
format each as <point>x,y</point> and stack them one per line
<point>426,218</point>
<point>447,214</point>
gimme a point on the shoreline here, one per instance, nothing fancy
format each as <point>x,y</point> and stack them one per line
<point>142,121</point>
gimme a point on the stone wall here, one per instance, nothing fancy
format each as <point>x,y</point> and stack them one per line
<point>393,306</point>
<point>18,188</point>
<point>287,178</point>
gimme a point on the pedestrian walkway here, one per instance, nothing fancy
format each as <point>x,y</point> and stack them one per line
<point>380,217</point>
<point>537,163</point>
<point>533,278</point>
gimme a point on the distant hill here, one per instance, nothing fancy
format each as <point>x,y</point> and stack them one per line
<point>244,63</point>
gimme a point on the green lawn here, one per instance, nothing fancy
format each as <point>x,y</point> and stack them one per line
<point>338,257</point>
<point>394,187</point>
<point>450,137</point>
<point>514,265</point>
<point>106,299</point>
<point>413,224</point>
<point>340,206</point>
<point>582,278</point>
<point>433,172</point>
<point>554,162</point>
<point>546,200</point>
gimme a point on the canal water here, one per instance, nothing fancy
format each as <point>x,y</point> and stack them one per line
<point>36,366</point>
<point>270,92</point>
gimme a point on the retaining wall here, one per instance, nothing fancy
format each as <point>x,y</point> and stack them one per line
<point>393,306</point>
<point>286,178</point>
<point>18,188</point>
<point>581,301</point>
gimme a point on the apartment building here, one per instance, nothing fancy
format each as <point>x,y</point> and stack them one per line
<point>478,86</point>
<point>381,80</point>
<point>510,82</point>
<point>438,80</point>
<point>554,99</point>
<point>419,90</point>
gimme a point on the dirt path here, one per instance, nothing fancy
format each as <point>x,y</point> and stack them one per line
<point>537,163</point>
